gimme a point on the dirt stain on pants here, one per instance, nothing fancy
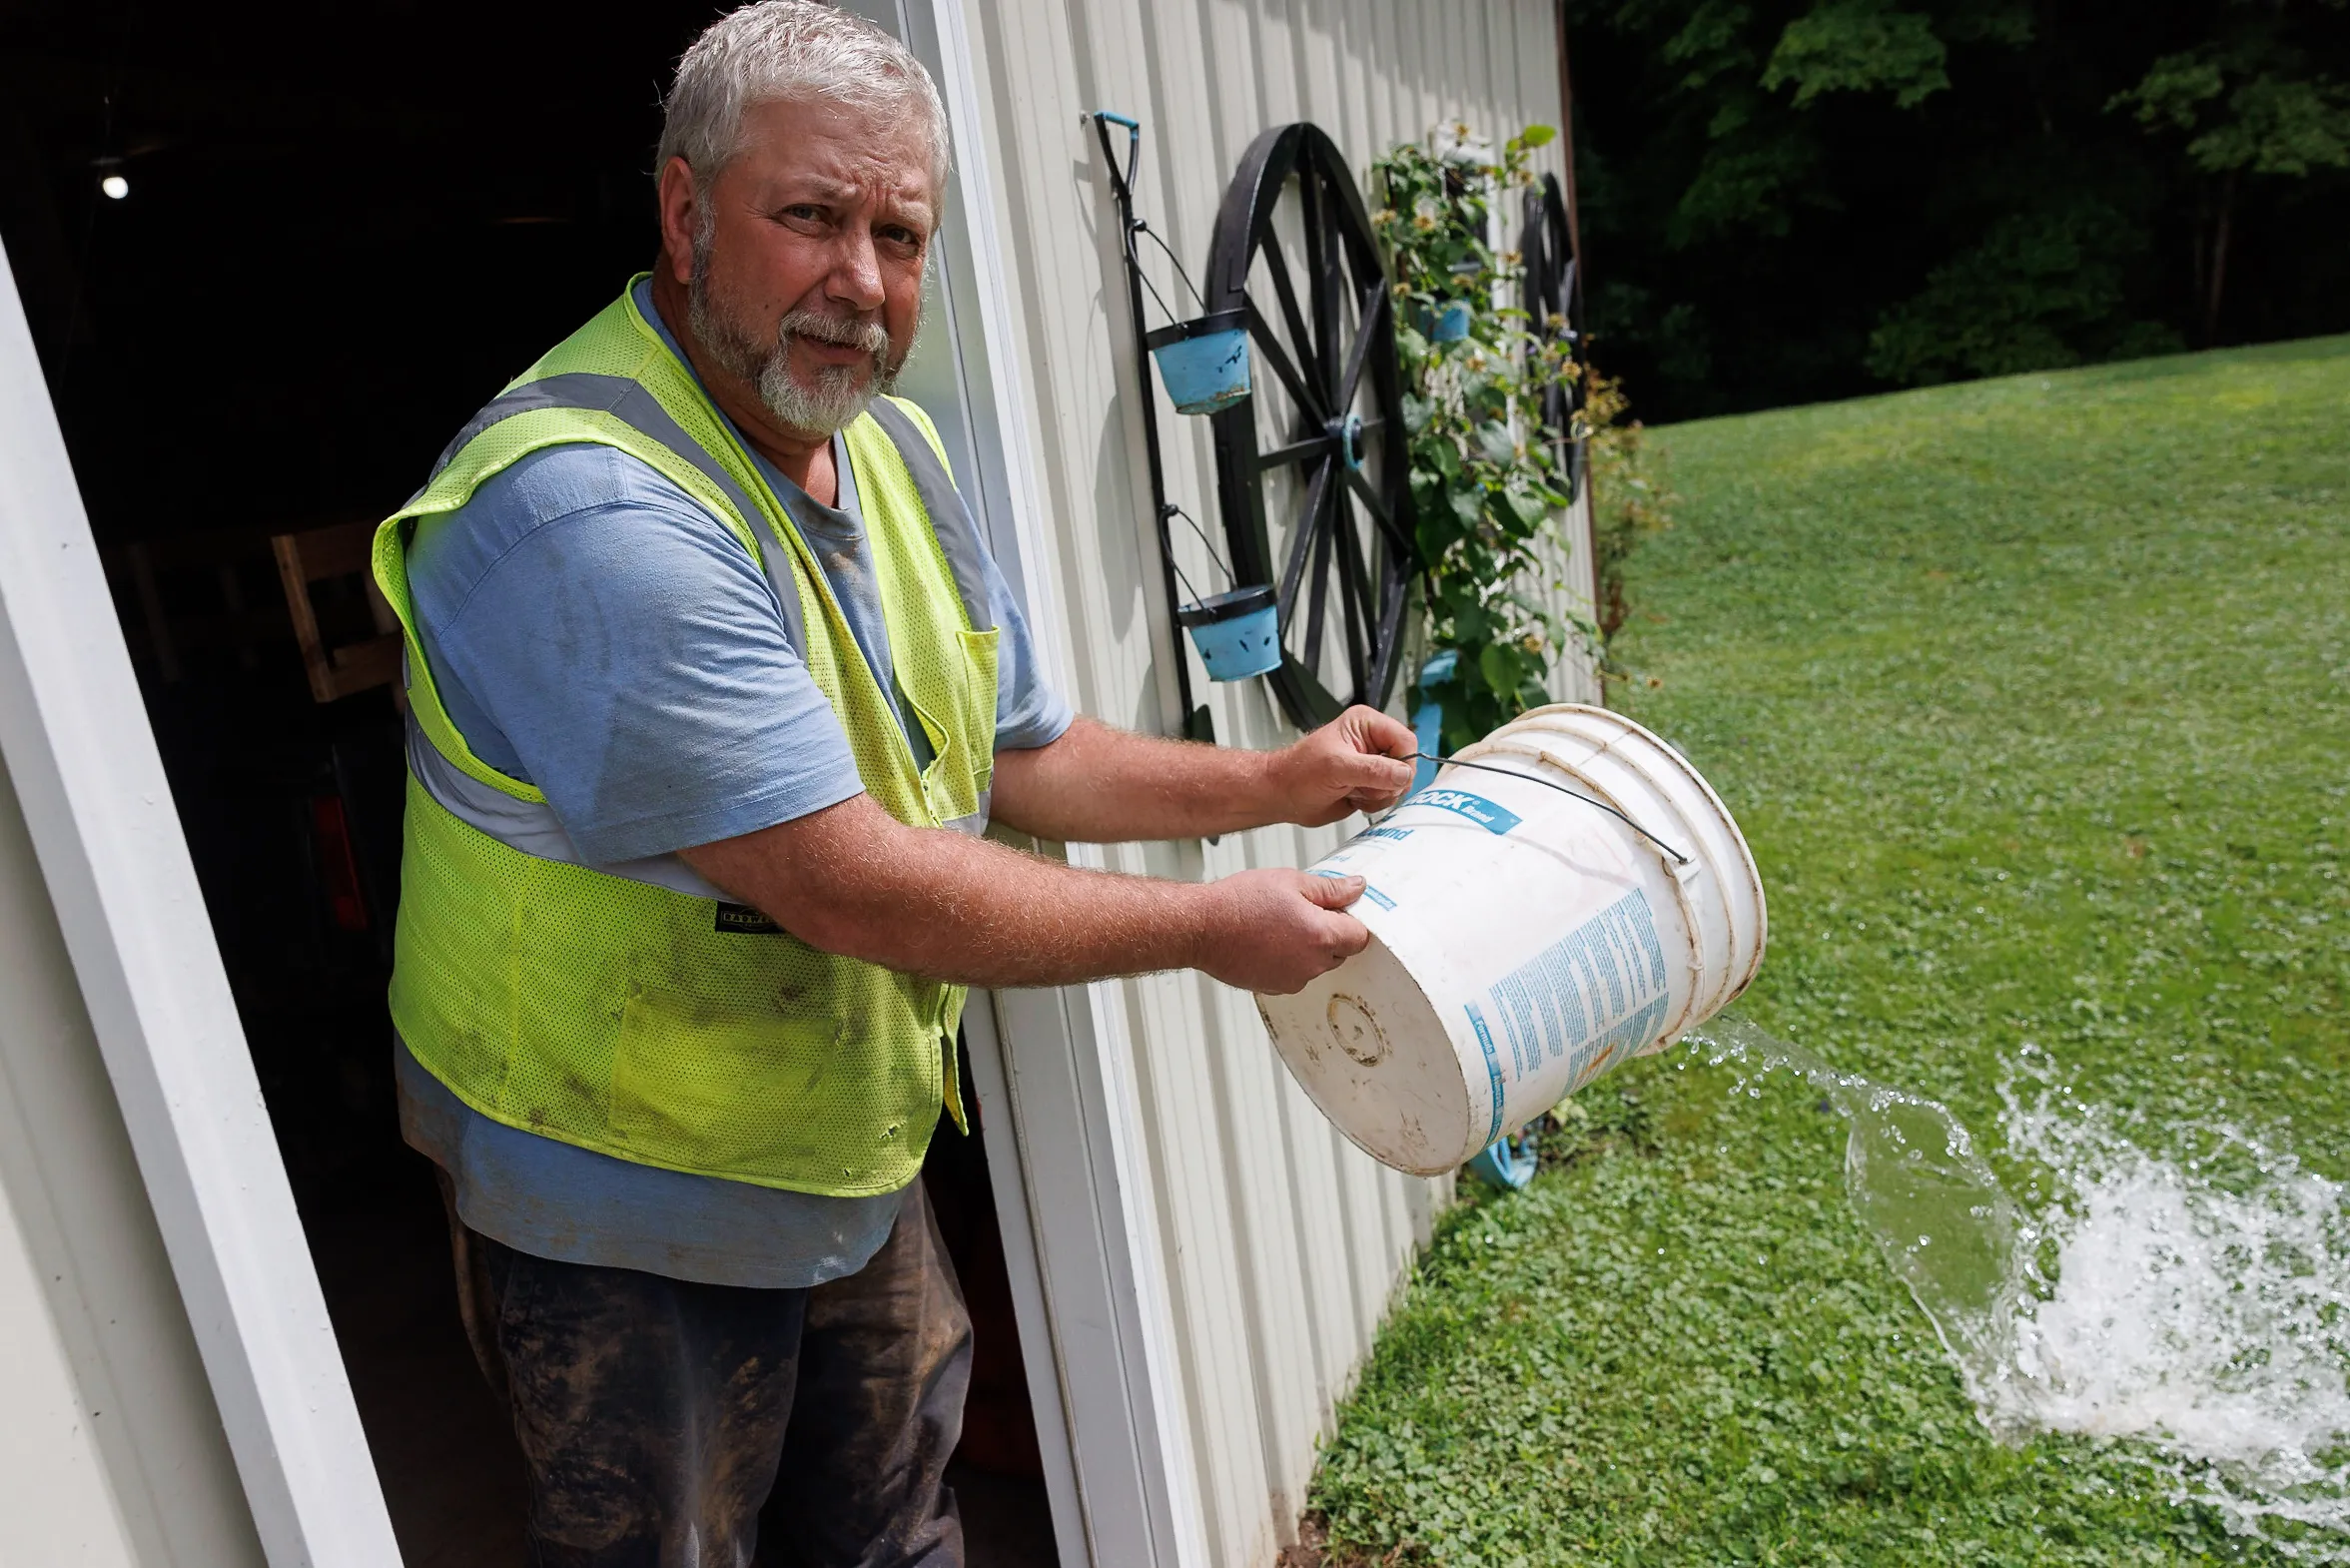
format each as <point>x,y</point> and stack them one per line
<point>670,1424</point>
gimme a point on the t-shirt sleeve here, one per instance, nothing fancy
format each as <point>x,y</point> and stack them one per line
<point>625,649</point>
<point>1029,712</point>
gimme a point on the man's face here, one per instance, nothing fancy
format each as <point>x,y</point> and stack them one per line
<point>808,258</point>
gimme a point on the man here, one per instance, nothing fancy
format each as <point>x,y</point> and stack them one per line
<point>714,689</point>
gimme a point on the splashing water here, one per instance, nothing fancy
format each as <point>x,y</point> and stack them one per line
<point>2204,1308</point>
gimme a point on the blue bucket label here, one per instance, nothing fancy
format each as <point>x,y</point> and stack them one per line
<point>1492,1069</point>
<point>1378,897</point>
<point>1486,814</point>
<point>1593,997</point>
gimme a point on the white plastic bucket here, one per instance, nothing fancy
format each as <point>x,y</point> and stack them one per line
<point>1522,942</point>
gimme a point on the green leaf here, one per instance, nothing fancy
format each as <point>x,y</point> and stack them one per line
<point>1537,136</point>
<point>1500,664</point>
<point>1858,45</point>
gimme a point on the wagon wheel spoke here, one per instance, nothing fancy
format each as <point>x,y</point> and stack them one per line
<point>1353,589</point>
<point>1271,346</point>
<point>1378,510</point>
<point>1388,640</point>
<point>1300,341</point>
<point>1303,537</point>
<point>1313,445</point>
<point>1317,282</point>
<point>1375,321</point>
<point>1318,600</point>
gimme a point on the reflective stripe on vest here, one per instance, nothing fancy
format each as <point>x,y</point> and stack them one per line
<point>627,1007</point>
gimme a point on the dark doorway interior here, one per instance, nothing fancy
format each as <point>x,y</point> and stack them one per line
<point>272,256</point>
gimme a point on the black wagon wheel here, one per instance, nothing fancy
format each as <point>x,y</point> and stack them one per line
<point>1554,304</point>
<point>1313,470</point>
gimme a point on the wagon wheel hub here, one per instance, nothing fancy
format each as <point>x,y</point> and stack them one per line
<point>1347,438</point>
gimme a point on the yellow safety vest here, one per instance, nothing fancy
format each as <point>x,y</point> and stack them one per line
<point>631,1008</point>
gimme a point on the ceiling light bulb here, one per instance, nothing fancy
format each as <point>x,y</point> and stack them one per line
<point>115,185</point>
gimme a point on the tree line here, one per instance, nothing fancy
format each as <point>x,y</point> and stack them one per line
<point>1784,200</point>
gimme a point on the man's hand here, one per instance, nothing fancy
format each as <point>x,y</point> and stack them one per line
<point>1354,763</point>
<point>1278,931</point>
<point>1098,785</point>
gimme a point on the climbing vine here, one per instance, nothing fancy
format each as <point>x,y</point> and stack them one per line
<point>1486,485</point>
<point>1629,500</point>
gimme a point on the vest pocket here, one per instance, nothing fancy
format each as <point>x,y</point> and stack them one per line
<point>755,1095</point>
<point>958,778</point>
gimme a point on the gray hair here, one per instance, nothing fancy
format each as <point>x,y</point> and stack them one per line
<point>789,51</point>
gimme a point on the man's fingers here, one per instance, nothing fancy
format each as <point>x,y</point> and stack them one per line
<point>1381,733</point>
<point>1332,891</point>
<point>1352,937</point>
<point>1365,770</point>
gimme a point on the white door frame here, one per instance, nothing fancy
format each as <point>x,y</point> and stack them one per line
<point>74,733</point>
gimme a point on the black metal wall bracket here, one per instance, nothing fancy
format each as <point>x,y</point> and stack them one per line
<point>1196,723</point>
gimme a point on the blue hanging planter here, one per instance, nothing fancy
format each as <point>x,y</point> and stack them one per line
<point>1238,634</point>
<point>1204,361</point>
<point>1451,324</point>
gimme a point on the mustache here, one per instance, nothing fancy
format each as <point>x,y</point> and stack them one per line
<point>846,331</point>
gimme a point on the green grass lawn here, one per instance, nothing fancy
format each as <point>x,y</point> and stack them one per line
<point>2032,697</point>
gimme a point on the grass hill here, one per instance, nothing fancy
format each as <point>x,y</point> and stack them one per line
<point>2033,699</point>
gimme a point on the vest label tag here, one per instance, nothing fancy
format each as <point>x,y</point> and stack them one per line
<point>742,920</point>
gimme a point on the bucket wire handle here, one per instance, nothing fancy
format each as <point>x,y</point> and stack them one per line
<point>1679,859</point>
<point>1142,227</point>
<point>1214,554</point>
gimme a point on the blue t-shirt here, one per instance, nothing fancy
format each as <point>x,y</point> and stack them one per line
<point>593,630</point>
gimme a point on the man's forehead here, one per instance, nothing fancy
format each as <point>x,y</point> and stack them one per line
<point>835,151</point>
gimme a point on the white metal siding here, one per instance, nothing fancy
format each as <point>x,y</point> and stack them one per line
<point>1280,1244</point>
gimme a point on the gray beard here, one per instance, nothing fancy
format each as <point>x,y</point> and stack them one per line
<point>840,392</point>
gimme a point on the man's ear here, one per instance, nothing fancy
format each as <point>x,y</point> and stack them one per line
<point>681,210</point>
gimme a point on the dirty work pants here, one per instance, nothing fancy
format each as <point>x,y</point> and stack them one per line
<point>669,1424</point>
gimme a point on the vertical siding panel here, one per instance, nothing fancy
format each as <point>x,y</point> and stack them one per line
<point>1282,1243</point>
<point>1320,84</point>
<point>1321,1246</point>
<point>1347,22</point>
<point>1436,28</point>
<point>1485,67</point>
<point>1390,86</point>
<point>1374,58</point>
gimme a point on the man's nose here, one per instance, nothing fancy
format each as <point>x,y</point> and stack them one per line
<point>856,274</point>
